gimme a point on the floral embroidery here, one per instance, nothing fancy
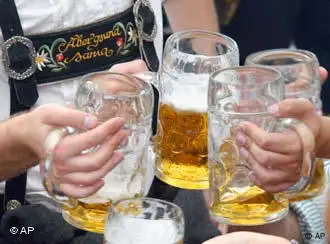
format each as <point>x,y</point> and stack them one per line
<point>55,64</point>
<point>129,39</point>
<point>133,37</point>
<point>55,56</point>
<point>42,59</point>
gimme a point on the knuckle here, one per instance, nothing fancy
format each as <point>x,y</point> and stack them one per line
<point>115,141</point>
<point>58,175</point>
<point>59,154</point>
<point>60,168</point>
<point>89,141</point>
<point>82,180</point>
<point>263,180</point>
<point>265,142</point>
<point>97,162</point>
<point>296,167</point>
<point>264,159</point>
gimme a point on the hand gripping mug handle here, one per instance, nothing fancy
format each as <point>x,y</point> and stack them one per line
<point>48,181</point>
<point>308,165</point>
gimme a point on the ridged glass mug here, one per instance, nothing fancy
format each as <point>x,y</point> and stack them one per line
<point>237,95</point>
<point>300,70</point>
<point>181,144</point>
<point>109,95</point>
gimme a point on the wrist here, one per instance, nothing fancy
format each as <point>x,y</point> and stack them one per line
<point>19,134</point>
<point>322,138</point>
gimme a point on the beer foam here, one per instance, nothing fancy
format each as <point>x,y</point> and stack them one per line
<point>189,92</point>
<point>126,230</point>
<point>126,180</point>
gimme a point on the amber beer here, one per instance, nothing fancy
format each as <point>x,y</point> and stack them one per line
<point>182,150</point>
<point>234,200</point>
<point>88,216</point>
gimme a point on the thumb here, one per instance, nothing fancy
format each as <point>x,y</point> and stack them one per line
<point>300,109</point>
<point>58,116</point>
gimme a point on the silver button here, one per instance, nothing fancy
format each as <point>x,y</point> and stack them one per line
<point>13,204</point>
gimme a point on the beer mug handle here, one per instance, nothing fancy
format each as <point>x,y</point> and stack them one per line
<point>308,141</point>
<point>52,188</point>
<point>153,79</point>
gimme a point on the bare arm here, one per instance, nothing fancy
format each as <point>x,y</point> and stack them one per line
<point>191,14</point>
<point>15,157</point>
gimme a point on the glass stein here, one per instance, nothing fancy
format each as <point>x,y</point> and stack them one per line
<point>300,70</point>
<point>237,95</point>
<point>144,221</point>
<point>181,145</point>
<point>109,95</point>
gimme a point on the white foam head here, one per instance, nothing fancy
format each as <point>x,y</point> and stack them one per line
<point>189,92</point>
<point>127,230</point>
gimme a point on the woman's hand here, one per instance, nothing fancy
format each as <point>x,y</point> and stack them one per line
<point>276,159</point>
<point>79,175</point>
<point>131,67</point>
<point>246,238</point>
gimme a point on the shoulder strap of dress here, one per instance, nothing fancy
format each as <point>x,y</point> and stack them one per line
<point>18,59</point>
<point>147,28</point>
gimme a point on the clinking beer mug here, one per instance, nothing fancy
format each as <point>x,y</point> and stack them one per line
<point>108,95</point>
<point>190,57</point>
<point>300,70</point>
<point>237,95</point>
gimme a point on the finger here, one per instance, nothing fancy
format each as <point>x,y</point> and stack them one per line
<point>287,142</point>
<point>130,67</point>
<point>60,116</point>
<point>265,158</point>
<point>300,109</point>
<point>76,191</point>
<point>74,144</point>
<point>271,188</point>
<point>267,176</point>
<point>94,160</point>
<point>323,74</point>
<point>88,178</point>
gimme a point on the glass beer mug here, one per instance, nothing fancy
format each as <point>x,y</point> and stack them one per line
<point>181,145</point>
<point>108,95</point>
<point>144,221</point>
<point>300,70</point>
<point>237,95</point>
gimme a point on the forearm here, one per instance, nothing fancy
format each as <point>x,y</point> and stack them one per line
<point>191,14</point>
<point>15,157</point>
<point>287,228</point>
<point>323,139</point>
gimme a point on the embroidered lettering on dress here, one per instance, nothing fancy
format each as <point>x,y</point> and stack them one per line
<point>80,47</point>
